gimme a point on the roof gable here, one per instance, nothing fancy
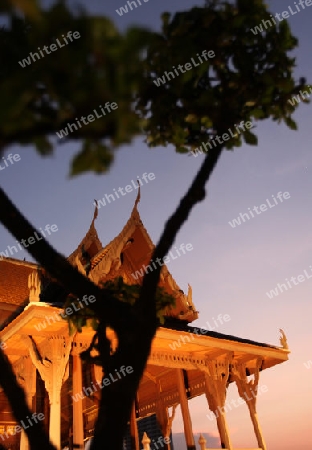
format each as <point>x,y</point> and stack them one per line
<point>128,255</point>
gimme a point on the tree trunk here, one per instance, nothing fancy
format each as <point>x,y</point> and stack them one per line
<point>117,398</point>
<point>135,338</point>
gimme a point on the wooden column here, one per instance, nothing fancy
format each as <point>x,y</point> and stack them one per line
<point>257,428</point>
<point>165,422</point>
<point>224,431</point>
<point>248,391</point>
<point>78,429</point>
<point>52,366</point>
<point>216,380</point>
<point>190,443</point>
<point>55,416</point>
<point>134,432</point>
<point>163,418</point>
<point>26,376</point>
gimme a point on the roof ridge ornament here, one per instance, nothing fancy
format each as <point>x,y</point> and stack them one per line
<point>138,196</point>
<point>283,340</point>
<point>96,211</point>
<point>34,286</point>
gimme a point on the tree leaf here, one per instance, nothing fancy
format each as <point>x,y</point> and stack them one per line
<point>291,123</point>
<point>250,138</point>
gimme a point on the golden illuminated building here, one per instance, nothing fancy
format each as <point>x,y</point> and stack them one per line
<point>47,364</point>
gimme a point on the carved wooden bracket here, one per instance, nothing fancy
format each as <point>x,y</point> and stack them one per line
<point>247,389</point>
<point>51,362</point>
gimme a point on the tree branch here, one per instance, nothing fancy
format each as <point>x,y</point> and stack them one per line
<point>195,194</point>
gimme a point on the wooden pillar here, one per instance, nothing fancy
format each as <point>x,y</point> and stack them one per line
<point>257,428</point>
<point>134,432</point>
<point>26,376</point>
<point>223,431</point>
<point>78,430</point>
<point>52,366</point>
<point>216,379</point>
<point>165,422</point>
<point>248,391</point>
<point>190,443</point>
<point>163,418</point>
<point>24,444</point>
<point>217,407</point>
<point>55,415</point>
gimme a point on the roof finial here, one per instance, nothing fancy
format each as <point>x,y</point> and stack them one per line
<point>283,340</point>
<point>138,196</point>
<point>34,285</point>
<point>96,210</point>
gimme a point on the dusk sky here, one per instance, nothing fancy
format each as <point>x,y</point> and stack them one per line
<point>230,269</point>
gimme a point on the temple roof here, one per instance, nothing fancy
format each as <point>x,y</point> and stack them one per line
<point>128,255</point>
<point>14,280</point>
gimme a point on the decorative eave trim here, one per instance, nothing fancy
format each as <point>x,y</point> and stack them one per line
<point>32,310</point>
<point>225,344</point>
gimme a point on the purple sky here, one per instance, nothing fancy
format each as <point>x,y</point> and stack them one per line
<point>230,269</point>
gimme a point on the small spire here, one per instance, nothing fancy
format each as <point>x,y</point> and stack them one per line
<point>202,442</point>
<point>146,442</point>
<point>138,196</point>
<point>96,210</point>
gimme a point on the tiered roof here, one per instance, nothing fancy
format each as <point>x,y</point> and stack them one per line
<point>126,255</point>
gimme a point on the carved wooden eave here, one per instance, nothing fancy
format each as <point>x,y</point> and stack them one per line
<point>192,352</point>
<point>203,357</point>
<point>202,345</point>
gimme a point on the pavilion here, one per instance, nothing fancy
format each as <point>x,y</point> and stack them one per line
<point>47,363</point>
